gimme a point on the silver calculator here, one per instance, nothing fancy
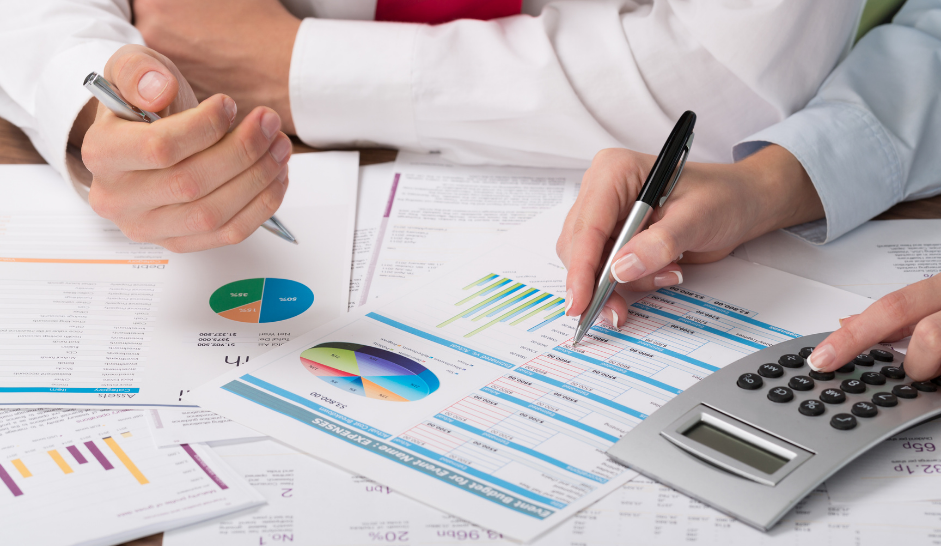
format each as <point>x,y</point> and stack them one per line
<point>758,435</point>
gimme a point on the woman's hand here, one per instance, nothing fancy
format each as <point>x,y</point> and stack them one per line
<point>912,311</point>
<point>713,209</point>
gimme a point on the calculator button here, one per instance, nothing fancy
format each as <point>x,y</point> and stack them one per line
<point>864,409</point>
<point>847,368</point>
<point>811,408</point>
<point>749,381</point>
<point>864,360</point>
<point>882,356</point>
<point>885,399</point>
<point>801,383</point>
<point>821,376</point>
<point>873,378</point>
<point>833,396</point>
<point>843,421</point>
<point>770,370</point>
<point>904,391</point>
<point>780,394</point>
<point>893,372</point>
<point>805,352</point>
<point>791,361</point>
<point>925,386</point>
<point>936,380</point>
<point>853,386</point>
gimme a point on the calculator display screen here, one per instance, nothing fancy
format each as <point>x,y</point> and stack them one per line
<point>736,448</point>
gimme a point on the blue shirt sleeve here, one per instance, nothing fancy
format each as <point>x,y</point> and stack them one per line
<point>871,137</point>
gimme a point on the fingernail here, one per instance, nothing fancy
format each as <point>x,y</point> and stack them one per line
<point>280,150</point>
<point>627,269</point>
<point>230,108</point>
<point>282,174</point>
<point>569,300</point>
<point>670,278</point>
<point>844,318</point>
<point>821,358</point>
<point>151,85</point>
<point>270,124</point>
<point>612,315</point>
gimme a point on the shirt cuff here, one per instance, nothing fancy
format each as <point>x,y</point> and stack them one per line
<point>850,160</point>
<point>351,83</point>
<point>60,97</point>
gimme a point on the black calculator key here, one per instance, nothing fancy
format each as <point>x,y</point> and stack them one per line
<point>780,394</point>
<point>864,409</point>
<point>904,391</point>
<point>853,386</point>
<point>833,396</point>
<point>847,368</point>
<point>821,376</point>
<point>805,352</point>
<point>925,386</point>
<point>843,421</point>
<point>882,356</point>
<point>936,380</point>
<point>770,370</point>
<point>749,381</point>
<point>864,360</point>
<point>893,372</point>
<point>873,378</point>
<point>811,408</point>
<point>791,361</point>
<point>885,399</point>
<point>801,383</point>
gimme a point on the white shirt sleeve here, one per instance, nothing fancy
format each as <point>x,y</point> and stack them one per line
<point>872,136</point>
<point>48,47</point>
<point>556,88</point>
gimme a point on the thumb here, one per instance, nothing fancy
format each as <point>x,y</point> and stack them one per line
<point>142,77</point>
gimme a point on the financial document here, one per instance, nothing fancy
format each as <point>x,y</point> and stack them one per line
<point>90,318</point>
<point>94,477</point>
<point>465,392</point>
<point>375,182</point>
<point>170,427</point>
<point>438,211</point>
<point>872,260</point>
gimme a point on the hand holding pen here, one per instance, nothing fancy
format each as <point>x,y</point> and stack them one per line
<point>184,182</point>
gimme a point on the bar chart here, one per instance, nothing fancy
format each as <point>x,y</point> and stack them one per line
<point>495,299</point>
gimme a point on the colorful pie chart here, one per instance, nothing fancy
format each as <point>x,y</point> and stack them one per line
<point>370,372</point>
<point>261,300</point>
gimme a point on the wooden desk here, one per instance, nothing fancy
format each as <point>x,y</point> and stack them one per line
<point>16,148</point>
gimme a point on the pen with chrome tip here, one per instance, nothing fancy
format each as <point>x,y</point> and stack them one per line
<point>109,95</point>
<point>655,191</point>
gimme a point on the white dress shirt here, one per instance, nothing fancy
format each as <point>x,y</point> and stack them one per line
<point>871,137</point>
<point>551,86</point>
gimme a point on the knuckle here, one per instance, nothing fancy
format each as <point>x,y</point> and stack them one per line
<point>183,186</point>
<point>250,146</point>
<point>202,218</point>
<point>159,152</point>
<point>173,245</point>
<point>99,201</point>
<point>895,307</point>
<point>666,246</point>
<point>271,201</point>
<point>928,333</point>
<point>234,233</point>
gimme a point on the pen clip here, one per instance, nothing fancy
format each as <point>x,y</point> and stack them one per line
<point>679,169</point>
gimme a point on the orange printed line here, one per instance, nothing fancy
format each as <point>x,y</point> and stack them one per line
<point>69,261</point>
<point>21,468</point>
<point>64,466</point>
<point>125,460</point>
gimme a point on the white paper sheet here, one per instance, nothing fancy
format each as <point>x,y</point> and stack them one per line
<point>375,182</point>
<point>170,427</point>
<point>905,468</point>
<point>312,503</point>
<point>874,259</point>
<point>502,423</point>
<point>440,210</point>
<point>90,318</point>
<point>94,477</point>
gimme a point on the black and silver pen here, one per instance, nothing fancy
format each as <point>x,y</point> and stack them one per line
<point>108,94</point>
<point>655,191</point>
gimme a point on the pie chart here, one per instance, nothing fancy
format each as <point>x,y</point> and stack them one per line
<point>261,300</point>
<point>370,372</point>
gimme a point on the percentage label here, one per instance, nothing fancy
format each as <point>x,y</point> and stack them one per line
<point>389,536</point>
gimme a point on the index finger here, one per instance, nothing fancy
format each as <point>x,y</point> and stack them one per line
<point>887,315</point>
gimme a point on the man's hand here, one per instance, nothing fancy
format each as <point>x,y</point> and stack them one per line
<point>713,209</point>
<point>238,47</point>
<point>183,182</point>
<point>912,311</point>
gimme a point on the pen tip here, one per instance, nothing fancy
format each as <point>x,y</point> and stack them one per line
<point>295,242</point>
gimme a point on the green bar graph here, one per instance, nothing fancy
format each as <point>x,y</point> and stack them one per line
<point>484,303</point>
<point>481,281</point>
<point>534,312</point>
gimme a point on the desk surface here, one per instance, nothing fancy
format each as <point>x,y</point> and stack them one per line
<point>16,148</point>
